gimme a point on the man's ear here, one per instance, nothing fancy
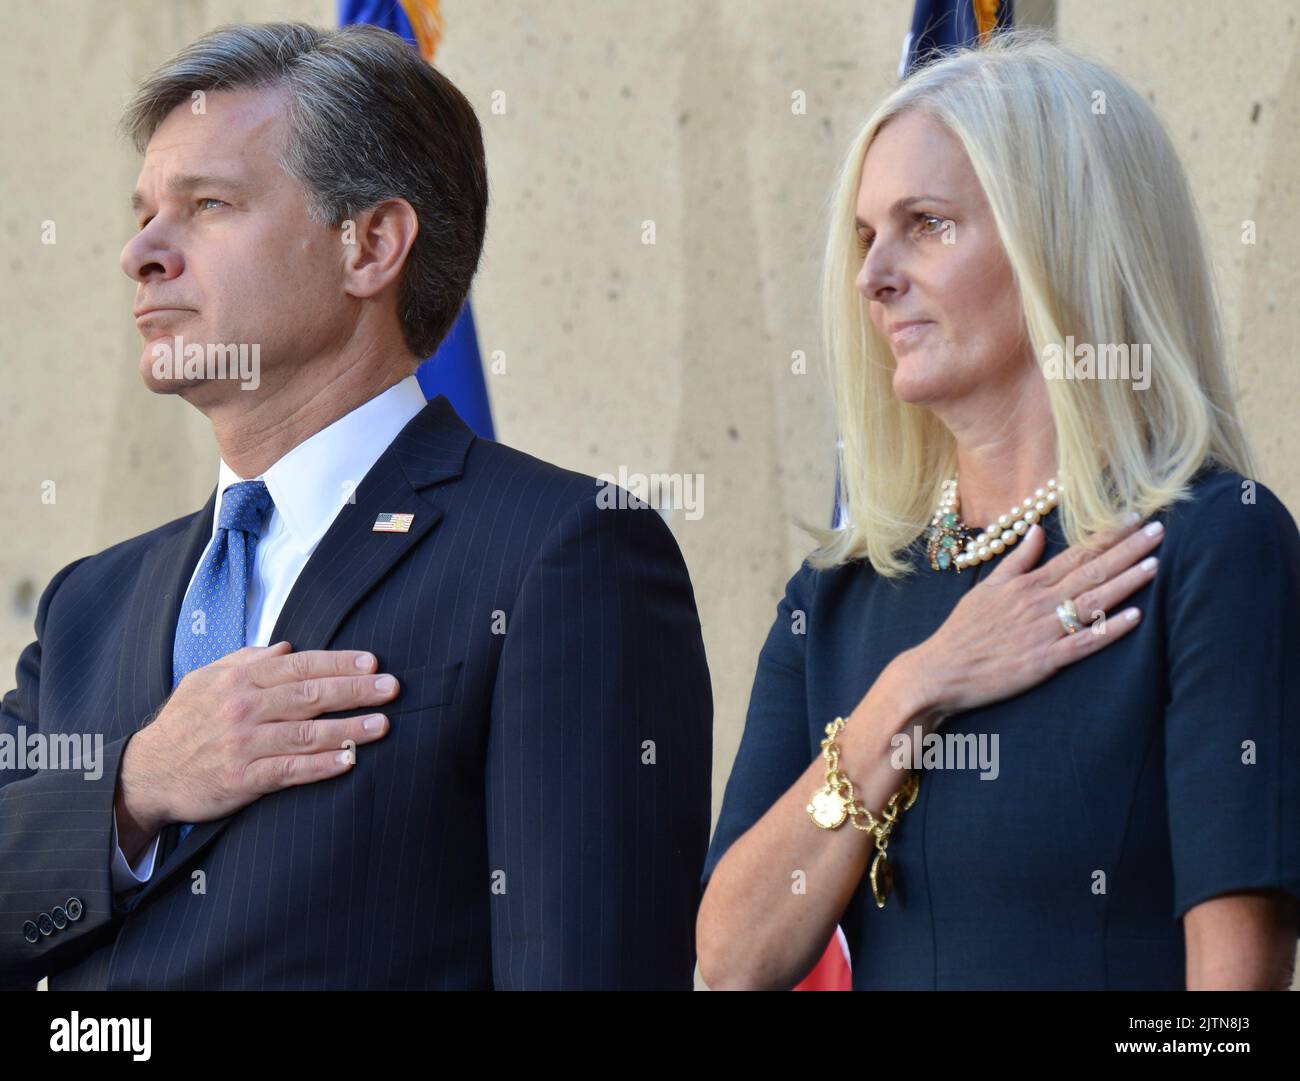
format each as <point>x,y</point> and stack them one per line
<point>376,245</point>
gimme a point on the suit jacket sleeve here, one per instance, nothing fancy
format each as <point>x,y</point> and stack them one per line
<point>599,762</point>
<point>55,836</point>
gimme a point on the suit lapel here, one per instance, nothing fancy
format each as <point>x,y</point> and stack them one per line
<point>346,565</point>
<point>153,612</point>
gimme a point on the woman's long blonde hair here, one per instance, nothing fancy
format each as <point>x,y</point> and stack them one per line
<point>1097,219</point>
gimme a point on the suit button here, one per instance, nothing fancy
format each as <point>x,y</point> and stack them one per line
<point>31,933</point>
<point>59,916</point>
<point>44,924</point>
<point>74,908</point>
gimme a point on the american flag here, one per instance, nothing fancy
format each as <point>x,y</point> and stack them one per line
<point>393,523</point>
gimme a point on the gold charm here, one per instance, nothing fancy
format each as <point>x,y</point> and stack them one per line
<point>828,808</point>
<point>882,879</point>
<point>834,802</point>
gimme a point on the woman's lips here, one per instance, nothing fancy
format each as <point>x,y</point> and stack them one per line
<point>906,332</point>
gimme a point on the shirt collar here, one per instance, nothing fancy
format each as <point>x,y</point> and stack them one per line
<point>311,483</point>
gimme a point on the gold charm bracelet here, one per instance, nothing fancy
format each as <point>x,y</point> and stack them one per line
<point>835,802</point>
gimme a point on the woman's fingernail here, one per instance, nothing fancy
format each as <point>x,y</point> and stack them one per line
<point>1132,518</point>
<point>1154,529</point>
<point>1149,564</point>
<point>1131,615</point>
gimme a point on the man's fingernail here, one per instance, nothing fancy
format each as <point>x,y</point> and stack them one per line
<point>384,684</point>
<point>373,723</point>
<point>364,661</point>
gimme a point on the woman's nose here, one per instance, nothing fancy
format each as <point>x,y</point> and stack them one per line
<point>879,275</point>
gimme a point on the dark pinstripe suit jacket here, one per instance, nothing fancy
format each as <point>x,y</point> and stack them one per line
<point>536,817</point>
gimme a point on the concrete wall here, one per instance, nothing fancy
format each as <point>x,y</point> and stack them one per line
<point>671,357</point>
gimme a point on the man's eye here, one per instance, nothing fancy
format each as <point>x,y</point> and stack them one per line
<point>210,199</point>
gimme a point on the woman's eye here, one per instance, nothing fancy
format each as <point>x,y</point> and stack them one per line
<point>926,224</point>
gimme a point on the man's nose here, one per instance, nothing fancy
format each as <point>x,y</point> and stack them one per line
<point>148,255</point>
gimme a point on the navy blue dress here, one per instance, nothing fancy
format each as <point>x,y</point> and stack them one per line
<point>1135,783</point>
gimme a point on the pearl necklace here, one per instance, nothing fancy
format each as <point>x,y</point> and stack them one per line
<point>947,533</point>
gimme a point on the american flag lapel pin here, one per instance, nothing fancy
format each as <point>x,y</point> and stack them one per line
<point>393,523</point>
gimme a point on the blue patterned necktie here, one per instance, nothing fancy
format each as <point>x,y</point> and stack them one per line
<point>211,623</point>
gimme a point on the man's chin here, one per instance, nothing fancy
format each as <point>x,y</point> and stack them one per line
<point>158,385</point>
<point>200,373</point>
<point>193,390</point>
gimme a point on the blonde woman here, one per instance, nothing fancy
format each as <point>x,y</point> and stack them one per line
<point>1032,719</point>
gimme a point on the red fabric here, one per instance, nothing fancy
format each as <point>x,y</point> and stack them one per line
<point>832,972</point>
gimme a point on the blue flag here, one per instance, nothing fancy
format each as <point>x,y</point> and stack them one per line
<point>456,369</point>
<point>939,26</point>
<point>457,372</point>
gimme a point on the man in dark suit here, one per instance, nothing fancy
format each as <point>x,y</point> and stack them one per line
<point>524,801</point>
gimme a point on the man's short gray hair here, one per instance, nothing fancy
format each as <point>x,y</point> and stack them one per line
<point>369,120</point>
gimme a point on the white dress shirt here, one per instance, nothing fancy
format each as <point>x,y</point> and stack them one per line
<point>309,486</point>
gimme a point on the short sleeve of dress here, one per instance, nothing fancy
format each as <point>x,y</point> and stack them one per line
<point>774,749</point>
<point>1232,723</point>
